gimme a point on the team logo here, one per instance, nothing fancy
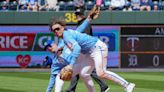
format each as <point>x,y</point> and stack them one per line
<point>133,60</point>
<point>23,61</point>
<point>133,43</point>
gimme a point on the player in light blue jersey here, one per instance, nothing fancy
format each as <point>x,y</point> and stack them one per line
<point>59,61</point>
<point>82,43</point>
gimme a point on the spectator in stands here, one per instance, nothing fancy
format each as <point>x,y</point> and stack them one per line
<point>145,5</point>
<point>79,4</point>
<point>52,5</point>
<point>42,5</point>
<point>104,4</point>
<point>135,4</point>
<point>127,6</point>
<point>162,5</point>
<point>5,5</point>
<point>13,5</point>
<point>22,5</point>
<point>33,5</point>
<point>70,6</point>
<point>8,1</point>
<point>117,4</point>
<point>4,8</point>
<point>22,2</point>
<point>155,6</point>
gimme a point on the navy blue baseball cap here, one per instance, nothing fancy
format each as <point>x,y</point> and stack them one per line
<point>79,11</point>
<point>48,43</point>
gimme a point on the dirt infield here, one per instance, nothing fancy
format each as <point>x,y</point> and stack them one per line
<point>112,69</point>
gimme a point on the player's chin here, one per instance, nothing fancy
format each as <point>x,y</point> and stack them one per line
<point>59,35</point>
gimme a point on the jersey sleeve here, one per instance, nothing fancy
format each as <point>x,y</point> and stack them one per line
<point>61,43</point>
<point>75,48</point>
<point>81,28</point>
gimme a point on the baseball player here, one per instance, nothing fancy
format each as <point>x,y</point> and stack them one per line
<point>79,12</point>
<point>82,43</point>
<point>59,61</point>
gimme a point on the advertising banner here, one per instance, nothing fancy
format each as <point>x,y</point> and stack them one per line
<point>16,41</point>
<point>23,46</point>
<point>22,58</point>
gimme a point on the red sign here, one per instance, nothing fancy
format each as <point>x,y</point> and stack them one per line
<point>16,41</point>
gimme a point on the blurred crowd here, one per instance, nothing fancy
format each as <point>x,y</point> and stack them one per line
<point>70,5</point>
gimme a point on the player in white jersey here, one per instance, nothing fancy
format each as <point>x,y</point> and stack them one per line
<point>82,43</point>
<point>59,61</point>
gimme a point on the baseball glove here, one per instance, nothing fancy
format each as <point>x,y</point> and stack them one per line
<point>66,73</point>
<point>94,13</point>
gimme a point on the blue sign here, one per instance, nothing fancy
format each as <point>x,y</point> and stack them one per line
<point>108,38</point>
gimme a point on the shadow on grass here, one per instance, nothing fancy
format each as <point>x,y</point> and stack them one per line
<point>10,90</point>
<point>32,75</point>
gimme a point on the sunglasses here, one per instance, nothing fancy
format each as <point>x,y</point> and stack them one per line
<point>56,29</point>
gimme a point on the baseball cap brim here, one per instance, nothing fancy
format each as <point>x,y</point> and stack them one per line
<point>47,44</point>
<point>79,11</point>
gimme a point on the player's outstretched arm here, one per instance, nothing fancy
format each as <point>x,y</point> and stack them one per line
<point>94,13</point>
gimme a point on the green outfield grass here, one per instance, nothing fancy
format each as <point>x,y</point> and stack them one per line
<point>37,82</point>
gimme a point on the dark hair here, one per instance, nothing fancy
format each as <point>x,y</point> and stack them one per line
<point>56,20</point>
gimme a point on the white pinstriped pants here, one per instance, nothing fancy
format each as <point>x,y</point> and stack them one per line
<point>99,55</point>
<point>84,67</point>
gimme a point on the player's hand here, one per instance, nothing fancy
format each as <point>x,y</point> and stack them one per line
<point>50,46</point>
<point>94,13</point>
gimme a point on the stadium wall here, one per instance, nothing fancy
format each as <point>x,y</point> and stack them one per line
<point>106,17</point>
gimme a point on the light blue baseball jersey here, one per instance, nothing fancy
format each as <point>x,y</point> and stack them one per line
<point>61,61</point>
<point>58,62</point>
<point>78,42</point>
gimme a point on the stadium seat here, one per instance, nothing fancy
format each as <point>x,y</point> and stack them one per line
<point>106,4</point>
<point>155,3</point>
<point>162,5</point>
<point>4,4</point>
<point>61,5</point>
<point>13,5</point>
<point>70,6</point>
<point>89,5</point>
<point>0,5</point>
<point>103,7</point>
